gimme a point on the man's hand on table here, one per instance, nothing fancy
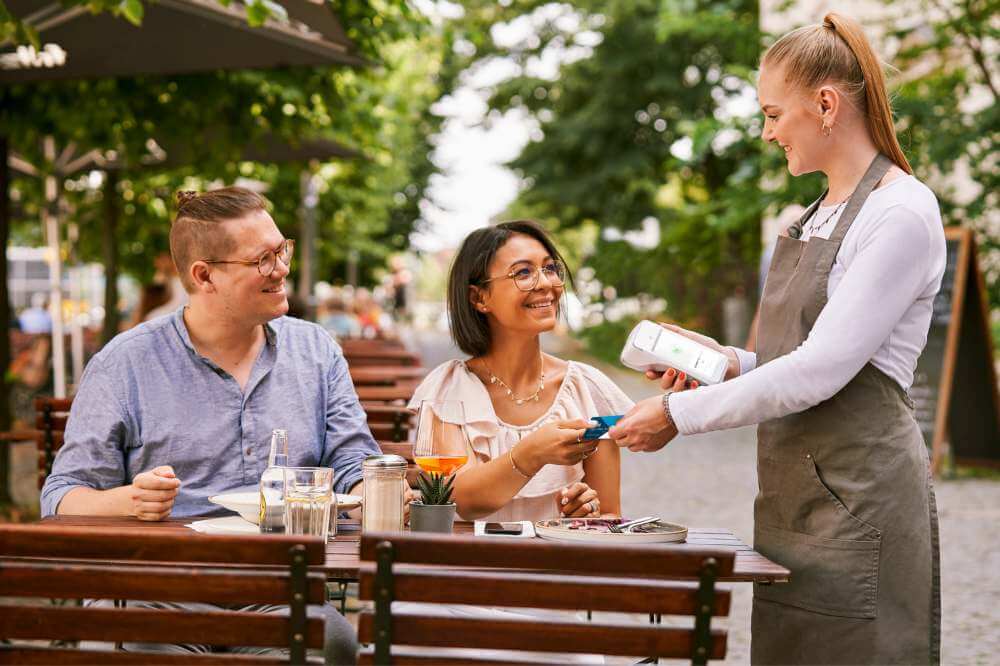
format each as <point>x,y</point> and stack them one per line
<point>153,493</point>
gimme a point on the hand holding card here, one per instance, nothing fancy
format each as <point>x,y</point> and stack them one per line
<point>600,431</point>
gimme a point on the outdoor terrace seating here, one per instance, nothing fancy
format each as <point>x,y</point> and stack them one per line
<point>65,562</point>
<point>436,569</point>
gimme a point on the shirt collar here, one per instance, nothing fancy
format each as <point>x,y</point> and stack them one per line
<point>271,329</point>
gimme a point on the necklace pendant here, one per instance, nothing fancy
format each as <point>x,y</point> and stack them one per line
<point>493,379</point>
<point>536,397</point>
<point>519,401</point>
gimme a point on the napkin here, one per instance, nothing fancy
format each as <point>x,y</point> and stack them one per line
<point>225,525</point>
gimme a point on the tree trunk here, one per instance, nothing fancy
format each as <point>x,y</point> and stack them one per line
<point>109,241</point>
<point>5,495</point>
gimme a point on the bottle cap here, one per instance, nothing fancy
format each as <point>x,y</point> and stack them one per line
<point>381,461</point>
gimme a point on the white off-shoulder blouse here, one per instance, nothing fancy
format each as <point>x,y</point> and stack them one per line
<point>585,392</point>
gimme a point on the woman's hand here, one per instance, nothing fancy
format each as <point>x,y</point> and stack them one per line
<point>578,500</point>
<point>559,443</point>
<point>732,368</point>
<point>645,427</point>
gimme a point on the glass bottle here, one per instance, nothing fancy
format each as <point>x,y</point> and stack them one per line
<point>272,485</point>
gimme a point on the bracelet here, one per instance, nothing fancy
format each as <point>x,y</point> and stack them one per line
<point>666,410</point>
<point>510,454</point>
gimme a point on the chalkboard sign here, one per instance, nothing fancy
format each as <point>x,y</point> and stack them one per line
<point>955,384</point>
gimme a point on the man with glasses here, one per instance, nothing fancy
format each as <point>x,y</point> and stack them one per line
<point>181,408</point>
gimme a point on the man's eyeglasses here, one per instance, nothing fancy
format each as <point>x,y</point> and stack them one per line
<point>526,277</point>
<point>268,261</point>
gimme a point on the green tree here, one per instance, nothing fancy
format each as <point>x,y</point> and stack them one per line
<point>641,128</point>
<point>949,113</point>
<point>380,111</point>
<point>658,120</point>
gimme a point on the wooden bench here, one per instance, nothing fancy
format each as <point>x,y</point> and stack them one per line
<point>397,393</point>
<point>365,344</point>
<point>389,422</point>
<point>382,357</point>
<point>382,375</point>
<point>51,561</point>
<point>51,415</point>
<point>447,569</point>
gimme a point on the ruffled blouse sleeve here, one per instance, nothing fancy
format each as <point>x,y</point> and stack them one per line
<point>452,381</point>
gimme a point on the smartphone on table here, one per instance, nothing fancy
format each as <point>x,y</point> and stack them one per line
<point>511,529</point>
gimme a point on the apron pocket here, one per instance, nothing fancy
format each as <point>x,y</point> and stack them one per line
<point>866,528</point>
<point>831,576</point>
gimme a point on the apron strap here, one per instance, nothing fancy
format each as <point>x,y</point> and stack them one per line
<point>876,170</point>
<point>795,229</point>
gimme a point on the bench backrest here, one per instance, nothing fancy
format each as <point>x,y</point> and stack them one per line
<point>381,357</point>
<point>51,415</point>
<point>155,564</point>
<point>389,422</point>
<point>523,573</point>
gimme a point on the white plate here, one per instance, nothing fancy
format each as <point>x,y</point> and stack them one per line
<point>247,503</point>
<point>224,525</point>
<point>559,530</point>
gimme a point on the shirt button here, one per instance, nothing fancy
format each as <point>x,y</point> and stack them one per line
<point>249,451</point>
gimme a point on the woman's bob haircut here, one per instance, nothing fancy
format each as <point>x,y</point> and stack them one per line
<point>469,327</point>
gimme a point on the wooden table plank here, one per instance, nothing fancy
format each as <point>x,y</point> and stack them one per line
<point>343,552</point>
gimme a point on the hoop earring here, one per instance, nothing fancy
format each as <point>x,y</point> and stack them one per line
<point>827,130</point>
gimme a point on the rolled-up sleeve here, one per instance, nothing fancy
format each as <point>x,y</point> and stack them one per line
<point>348,439</point>
<point>93,453</point>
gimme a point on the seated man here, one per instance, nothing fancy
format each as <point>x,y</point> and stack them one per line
<point>182,407</point>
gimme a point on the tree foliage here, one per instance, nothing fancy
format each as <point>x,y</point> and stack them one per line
<point>657,119</point>
<point>949,114</point>
<point>637,128</point>
<point>367,203</point>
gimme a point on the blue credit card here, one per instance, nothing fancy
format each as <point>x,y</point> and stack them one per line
<point>604,424</point>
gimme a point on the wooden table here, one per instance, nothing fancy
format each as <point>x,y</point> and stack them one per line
<point>343,556</point>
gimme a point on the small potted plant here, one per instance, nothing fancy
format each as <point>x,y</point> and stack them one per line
<point>435,512</point>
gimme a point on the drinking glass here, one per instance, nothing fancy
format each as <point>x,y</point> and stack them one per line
<point>441,445</point>
<point>308,497</point>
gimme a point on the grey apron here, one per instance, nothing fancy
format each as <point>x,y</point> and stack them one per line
<point>845,497</point>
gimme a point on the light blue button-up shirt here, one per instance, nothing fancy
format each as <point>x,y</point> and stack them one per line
<point>149,399</point>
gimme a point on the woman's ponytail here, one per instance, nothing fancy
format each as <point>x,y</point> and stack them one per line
<point>837,51</point>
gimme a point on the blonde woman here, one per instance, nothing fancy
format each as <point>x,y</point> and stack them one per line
<point>845,496</point>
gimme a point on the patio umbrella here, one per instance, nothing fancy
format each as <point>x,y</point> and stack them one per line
<point>176,36</point>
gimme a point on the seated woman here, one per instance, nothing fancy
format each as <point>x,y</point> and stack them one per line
<point>525,410</point>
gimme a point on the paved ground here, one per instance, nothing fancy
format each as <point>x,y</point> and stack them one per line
<point>710,480</point>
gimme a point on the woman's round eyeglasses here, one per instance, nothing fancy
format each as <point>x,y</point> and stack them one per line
<point>526,277</point>
<point>267,261</point>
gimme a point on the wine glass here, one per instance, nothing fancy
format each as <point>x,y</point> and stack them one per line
<point>441,445</point>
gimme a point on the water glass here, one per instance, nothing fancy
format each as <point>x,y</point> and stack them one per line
<point>308,499</point>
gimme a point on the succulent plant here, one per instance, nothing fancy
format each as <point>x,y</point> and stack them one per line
<point>435,488</point>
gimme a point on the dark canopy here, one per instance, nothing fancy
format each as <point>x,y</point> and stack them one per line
<point>176,36</point>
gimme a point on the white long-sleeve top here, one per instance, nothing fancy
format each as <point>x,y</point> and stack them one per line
<point>880,300</point>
